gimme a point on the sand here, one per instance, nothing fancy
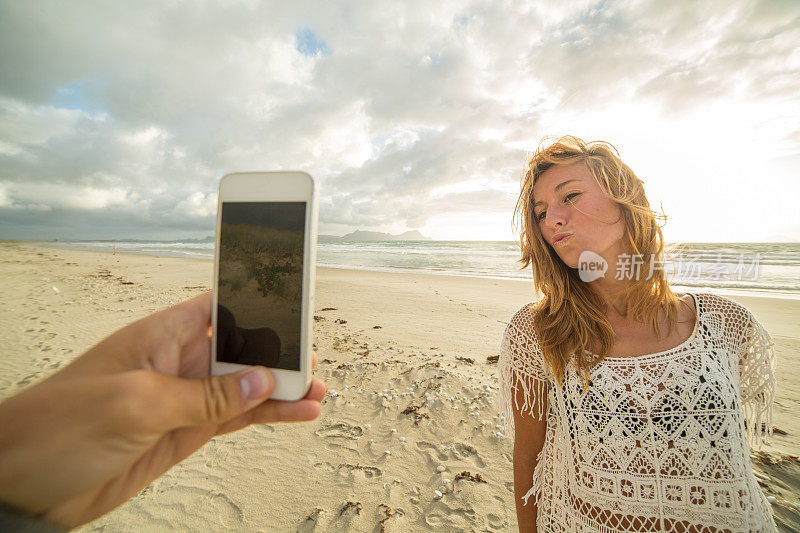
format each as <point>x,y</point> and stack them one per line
<point>412,404</point>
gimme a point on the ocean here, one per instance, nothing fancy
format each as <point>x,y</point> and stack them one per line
<point>747,267</point>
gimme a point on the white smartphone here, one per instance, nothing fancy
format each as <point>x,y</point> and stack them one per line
<point>264,264</point>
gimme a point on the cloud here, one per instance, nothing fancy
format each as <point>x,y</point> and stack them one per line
<point>123,117</point>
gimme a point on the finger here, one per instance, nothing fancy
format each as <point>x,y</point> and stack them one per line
<point>264,414</point>
<point>136,345</point>
<point>279,411</point>
<point>313,360</point>
<point>216,399</point>
<point>317,390</point>
<point>185,318</point>
<point>274,411</point>
<point>180,344</point>
<point>200,304</point>
<point>301,411</point>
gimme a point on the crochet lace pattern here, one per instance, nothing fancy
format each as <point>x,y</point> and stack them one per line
<point>660,442</point>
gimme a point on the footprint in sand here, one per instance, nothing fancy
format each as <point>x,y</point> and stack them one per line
<point>213,506</point>
<point>348,518</point>
<point>457,451</point>
<point>442,515</point>
<point>327,467</point>
<point>431,449</point>
<point>311,521</point>
<point>368,471</point>
<point>27,380</point>
<point>46,362</point>
<point>496,522</point>
<point>465,451</point>
<point>341,429</point>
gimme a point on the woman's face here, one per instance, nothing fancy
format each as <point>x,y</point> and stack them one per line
<point>574,215</point>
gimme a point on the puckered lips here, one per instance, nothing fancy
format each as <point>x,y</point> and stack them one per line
<point>560,238</point>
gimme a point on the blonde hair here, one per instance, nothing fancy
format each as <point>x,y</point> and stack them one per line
<point>569,314</point>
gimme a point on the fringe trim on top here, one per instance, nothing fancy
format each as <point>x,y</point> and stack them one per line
<point>757,383</point>
<point>523,388</point>
<point>523,383</point>
<point>538,481</point>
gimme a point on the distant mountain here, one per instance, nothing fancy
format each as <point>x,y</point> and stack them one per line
<point>363,236</point>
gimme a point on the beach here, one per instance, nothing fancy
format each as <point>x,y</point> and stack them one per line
<point>409,438</point>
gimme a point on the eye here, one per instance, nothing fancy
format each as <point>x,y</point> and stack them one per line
<point>568,199</point>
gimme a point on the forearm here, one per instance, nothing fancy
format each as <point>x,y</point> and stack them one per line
<point>523,481</point>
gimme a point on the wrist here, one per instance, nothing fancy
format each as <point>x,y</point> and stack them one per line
<point>21,483</point>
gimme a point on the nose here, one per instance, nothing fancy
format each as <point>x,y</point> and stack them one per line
<point>555,217</point>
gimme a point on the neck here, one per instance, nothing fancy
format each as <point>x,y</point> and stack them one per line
<point>611,291</point>
<point>610,288</point>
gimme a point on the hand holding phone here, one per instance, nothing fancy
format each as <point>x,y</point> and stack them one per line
<point>95,433</point>
<point>264,277</point>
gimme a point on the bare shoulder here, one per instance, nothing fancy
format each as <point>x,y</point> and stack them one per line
<point>686,307</point>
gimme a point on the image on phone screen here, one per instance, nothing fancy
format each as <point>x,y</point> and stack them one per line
<point>260,283</point>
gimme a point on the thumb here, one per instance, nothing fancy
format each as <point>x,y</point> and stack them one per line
<point>217,399</point>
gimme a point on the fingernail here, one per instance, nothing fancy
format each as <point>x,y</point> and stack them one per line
<point>255,383</point>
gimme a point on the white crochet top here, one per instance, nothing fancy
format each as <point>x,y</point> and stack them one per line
<point>660,442</point>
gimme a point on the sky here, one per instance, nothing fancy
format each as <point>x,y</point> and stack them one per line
<point>117,119</point>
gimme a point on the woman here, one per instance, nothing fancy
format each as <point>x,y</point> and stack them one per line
<point>632,407</point>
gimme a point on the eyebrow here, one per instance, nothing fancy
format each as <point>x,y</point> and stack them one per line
<point>558,187</point>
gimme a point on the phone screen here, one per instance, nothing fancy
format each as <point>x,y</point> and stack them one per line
<point>260,284</point>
